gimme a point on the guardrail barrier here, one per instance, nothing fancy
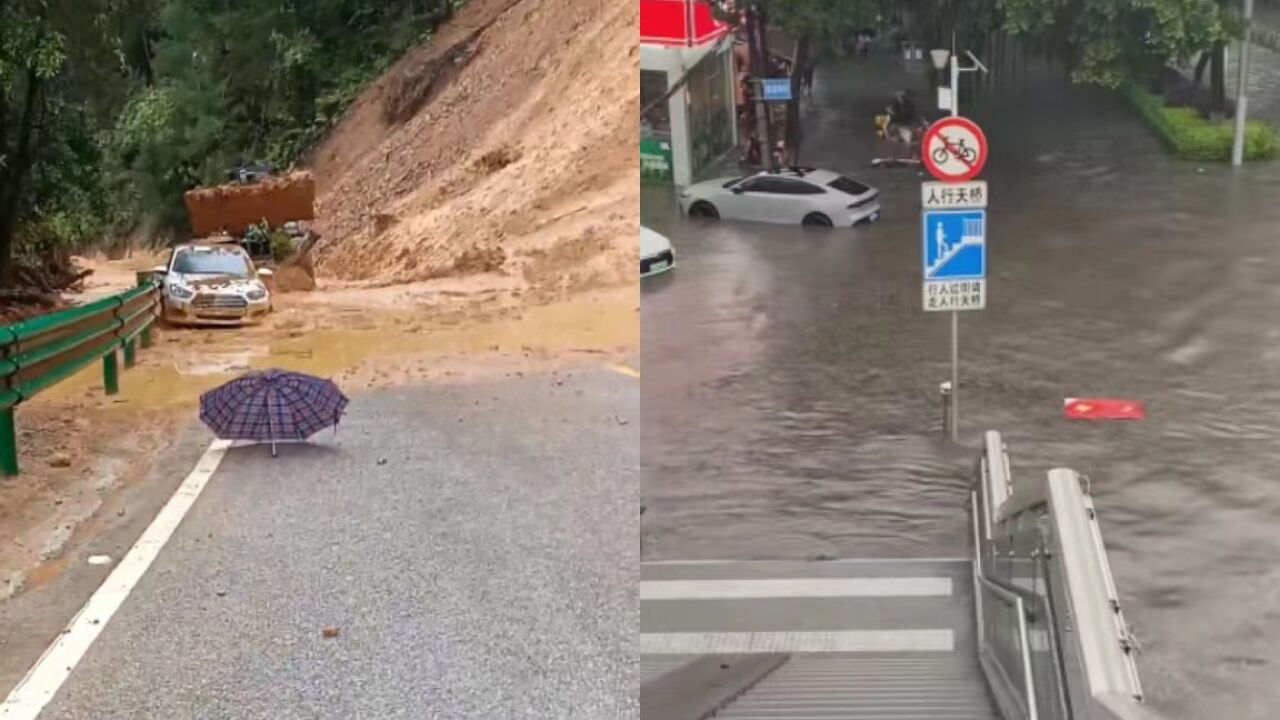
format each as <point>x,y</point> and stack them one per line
<point>1053,642</point>
<point>41,352</point>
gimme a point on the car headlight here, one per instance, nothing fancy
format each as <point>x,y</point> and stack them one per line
<point>180,293</point>
<point>256,294</point>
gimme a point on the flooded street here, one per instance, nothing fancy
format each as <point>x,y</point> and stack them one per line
<point>791,404</point>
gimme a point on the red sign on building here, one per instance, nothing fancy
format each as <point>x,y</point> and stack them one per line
<point>678,23</point>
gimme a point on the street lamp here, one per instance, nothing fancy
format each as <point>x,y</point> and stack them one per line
<point>951,98</point>
<point>945,94</point>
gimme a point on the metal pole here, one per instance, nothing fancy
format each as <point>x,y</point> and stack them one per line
<point>955,316</point>
<point>8,444</point>
<point>955,375</point>
<point>955,79</point>
<point>1242,100</point>
<point>110,373</point>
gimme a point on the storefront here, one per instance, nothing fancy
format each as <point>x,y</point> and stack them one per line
<point>682,137</point>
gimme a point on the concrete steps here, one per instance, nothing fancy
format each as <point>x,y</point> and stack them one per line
<point>863,639</point>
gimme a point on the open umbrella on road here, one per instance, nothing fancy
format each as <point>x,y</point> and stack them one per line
<point>272,405</point>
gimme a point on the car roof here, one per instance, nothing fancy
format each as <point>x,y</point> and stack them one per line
<point>815,175</point>
<point>231,247</point>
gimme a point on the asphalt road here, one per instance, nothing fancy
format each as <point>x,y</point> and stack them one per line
<point>474,545</point>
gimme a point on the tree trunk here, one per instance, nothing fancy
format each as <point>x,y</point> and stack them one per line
<point>1218,81</point>
<point>148,72</point>
<point>762,28</point>
<point>799,73</point>
<point>15,172</point>
<point>1201,65</point>
<point>764,132</point>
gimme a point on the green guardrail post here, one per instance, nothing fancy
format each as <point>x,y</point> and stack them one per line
<point>130,353</point>
<point>110,373</point>
<point>145,336</point>
<point>8,444</point>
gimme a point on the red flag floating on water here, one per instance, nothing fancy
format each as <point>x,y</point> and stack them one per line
<point>1102,409</point>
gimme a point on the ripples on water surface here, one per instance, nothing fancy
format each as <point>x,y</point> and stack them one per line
<point>790,378</point>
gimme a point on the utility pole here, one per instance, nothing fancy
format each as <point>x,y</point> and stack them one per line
<point>763,28</point>
<point>1242,99</point>
<point>758,45</point>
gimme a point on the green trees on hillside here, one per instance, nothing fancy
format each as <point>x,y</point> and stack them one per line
<point>111,109</point>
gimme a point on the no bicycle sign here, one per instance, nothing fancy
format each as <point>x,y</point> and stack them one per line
<point>954,150</point>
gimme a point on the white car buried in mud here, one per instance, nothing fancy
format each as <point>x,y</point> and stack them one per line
<point>797,196</point>
<point>213,285</point>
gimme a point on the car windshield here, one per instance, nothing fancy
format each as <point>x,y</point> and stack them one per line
<point>211,262</point>
<point>848,185</point>
<point>733,182</point>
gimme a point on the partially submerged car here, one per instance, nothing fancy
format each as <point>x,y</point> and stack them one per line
<point>656,254</point>
<point>795,196</point>
<point>214,284</point>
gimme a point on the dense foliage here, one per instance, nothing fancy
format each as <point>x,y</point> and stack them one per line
<point>1109,42</point>
<point>110,109</point>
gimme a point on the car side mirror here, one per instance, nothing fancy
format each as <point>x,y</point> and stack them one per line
<point>265,272</point>
<point>738,191</point>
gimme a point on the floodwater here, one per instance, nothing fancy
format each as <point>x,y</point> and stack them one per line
<point>791,404</point>
<point>362,346</point>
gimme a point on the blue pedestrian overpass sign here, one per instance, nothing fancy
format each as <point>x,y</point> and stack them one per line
<point>955,259</point>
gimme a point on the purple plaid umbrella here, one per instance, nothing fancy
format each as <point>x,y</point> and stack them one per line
<point>272,405</point>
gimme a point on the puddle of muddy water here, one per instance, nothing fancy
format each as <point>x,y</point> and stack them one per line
<point>214,363</point>
<point>187,362</point>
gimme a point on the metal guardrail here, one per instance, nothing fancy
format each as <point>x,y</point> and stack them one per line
<point>41,352</point>
<point>1068,654</point>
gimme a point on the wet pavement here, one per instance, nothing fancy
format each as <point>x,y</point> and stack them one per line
<point>472,547</point>
<point>791,379</point>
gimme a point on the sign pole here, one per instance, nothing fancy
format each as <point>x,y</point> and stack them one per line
<point>954,151</point>
<point>955,315</point>
<point>955,374</point>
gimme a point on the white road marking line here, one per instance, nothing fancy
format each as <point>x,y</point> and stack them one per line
<point>53,668</point>
<point>797,642</point>
<point>795,588</point>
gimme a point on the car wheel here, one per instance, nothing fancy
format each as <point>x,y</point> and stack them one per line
<point>817,220</point>
<point>703,210</point>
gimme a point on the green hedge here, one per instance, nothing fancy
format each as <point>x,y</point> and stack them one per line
<point>1194,138</point>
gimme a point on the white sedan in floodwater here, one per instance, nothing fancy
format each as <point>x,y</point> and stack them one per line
<point>796,196</point>
<point>656,253</point>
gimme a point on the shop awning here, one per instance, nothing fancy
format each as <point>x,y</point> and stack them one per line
<point>679,23</point>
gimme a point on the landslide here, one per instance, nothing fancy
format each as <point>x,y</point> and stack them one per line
<point>502,149</point>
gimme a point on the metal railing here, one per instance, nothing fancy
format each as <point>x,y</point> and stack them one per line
<point>41,352</point>
<point>1060,649</point>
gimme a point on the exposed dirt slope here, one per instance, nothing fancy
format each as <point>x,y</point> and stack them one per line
<point>503,150</point>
